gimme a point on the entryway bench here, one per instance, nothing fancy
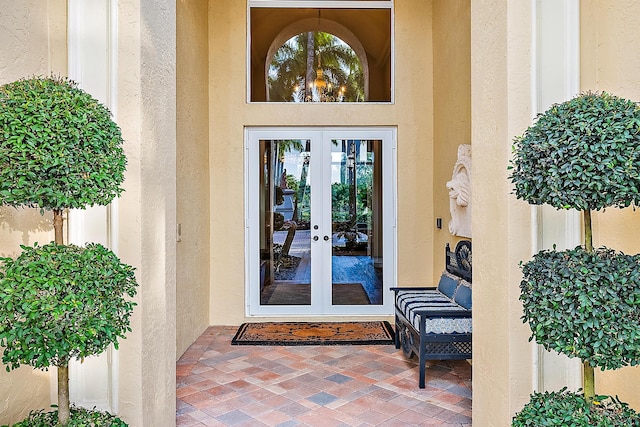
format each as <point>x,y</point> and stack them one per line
<point>435,322</point>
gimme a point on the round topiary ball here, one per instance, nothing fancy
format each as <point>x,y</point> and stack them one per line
<point>61,302</point>
<point>59,147</point>
<point>585,304</point>
<point>582,154</point>
<point>566,409</point>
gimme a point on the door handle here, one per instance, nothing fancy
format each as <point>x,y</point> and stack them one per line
<point>326,238</point>
<point>315,238</point>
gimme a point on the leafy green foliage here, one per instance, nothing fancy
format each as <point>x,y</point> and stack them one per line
<point>585,305</point>
<point>59,302</point>
<point>80,417</point>
<point>565,409</point>
<point>340,65</point>
<point>582,154</point>
<point>341,202</point>
<point>59,147</point>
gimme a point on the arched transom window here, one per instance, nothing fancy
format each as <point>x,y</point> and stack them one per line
<point>311,54</point>
<point>316,66</point>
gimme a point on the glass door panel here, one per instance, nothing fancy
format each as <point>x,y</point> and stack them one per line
<point>285,215</point>
<point>356,222</point>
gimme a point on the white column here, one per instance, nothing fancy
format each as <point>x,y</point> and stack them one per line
<point>92,43</point>
<point>557,79</point>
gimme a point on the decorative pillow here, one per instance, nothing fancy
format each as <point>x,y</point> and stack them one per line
<point>463,295</point>
<point>448,284</point>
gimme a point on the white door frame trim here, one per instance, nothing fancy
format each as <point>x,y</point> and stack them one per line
<point>252,243</point>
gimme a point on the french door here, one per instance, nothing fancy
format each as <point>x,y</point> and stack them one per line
<point>321,222</point>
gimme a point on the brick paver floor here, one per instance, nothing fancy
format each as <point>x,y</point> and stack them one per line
<point>219,384</point>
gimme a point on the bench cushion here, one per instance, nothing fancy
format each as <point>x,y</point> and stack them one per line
<point>411,301</point>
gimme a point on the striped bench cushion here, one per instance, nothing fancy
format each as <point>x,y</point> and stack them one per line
<point>411,301</point>
<point>408,300</point>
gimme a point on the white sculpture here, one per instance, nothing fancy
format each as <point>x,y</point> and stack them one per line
<point>460,194</point>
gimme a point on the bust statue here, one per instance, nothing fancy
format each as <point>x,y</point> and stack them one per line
<point>460,194</point>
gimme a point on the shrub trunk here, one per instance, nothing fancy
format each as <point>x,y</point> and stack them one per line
<point>63,395</point>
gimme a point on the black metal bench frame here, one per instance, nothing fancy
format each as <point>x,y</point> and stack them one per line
<point>436,346</point>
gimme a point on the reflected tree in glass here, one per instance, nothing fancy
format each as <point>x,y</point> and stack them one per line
<point>315,66</point>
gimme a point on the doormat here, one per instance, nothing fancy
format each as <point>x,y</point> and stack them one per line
<point>314,333</point>
<point>300,294</point>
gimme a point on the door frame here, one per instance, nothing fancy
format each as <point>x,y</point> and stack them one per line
<point>321,295</point>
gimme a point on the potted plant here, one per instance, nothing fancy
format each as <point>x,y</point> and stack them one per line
<point>60,149</point>
<point>582,154</point>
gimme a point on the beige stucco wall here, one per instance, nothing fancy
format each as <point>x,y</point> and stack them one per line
<point>33,43</point>
<point>192,151</point>
<point>452,107</point>
<point>619,229</point>
<point>147,208</point>
<point>34,38</point>
<point>412,113</point>
<point>610,61</point>
<point>500,109</point>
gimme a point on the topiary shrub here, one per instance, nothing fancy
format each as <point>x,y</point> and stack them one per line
<point>62,302</point>
<point>565,409</point>
<point>582,154</point>
<point>60,149</point>
<point>80,417</point>
<point>574,301</point>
